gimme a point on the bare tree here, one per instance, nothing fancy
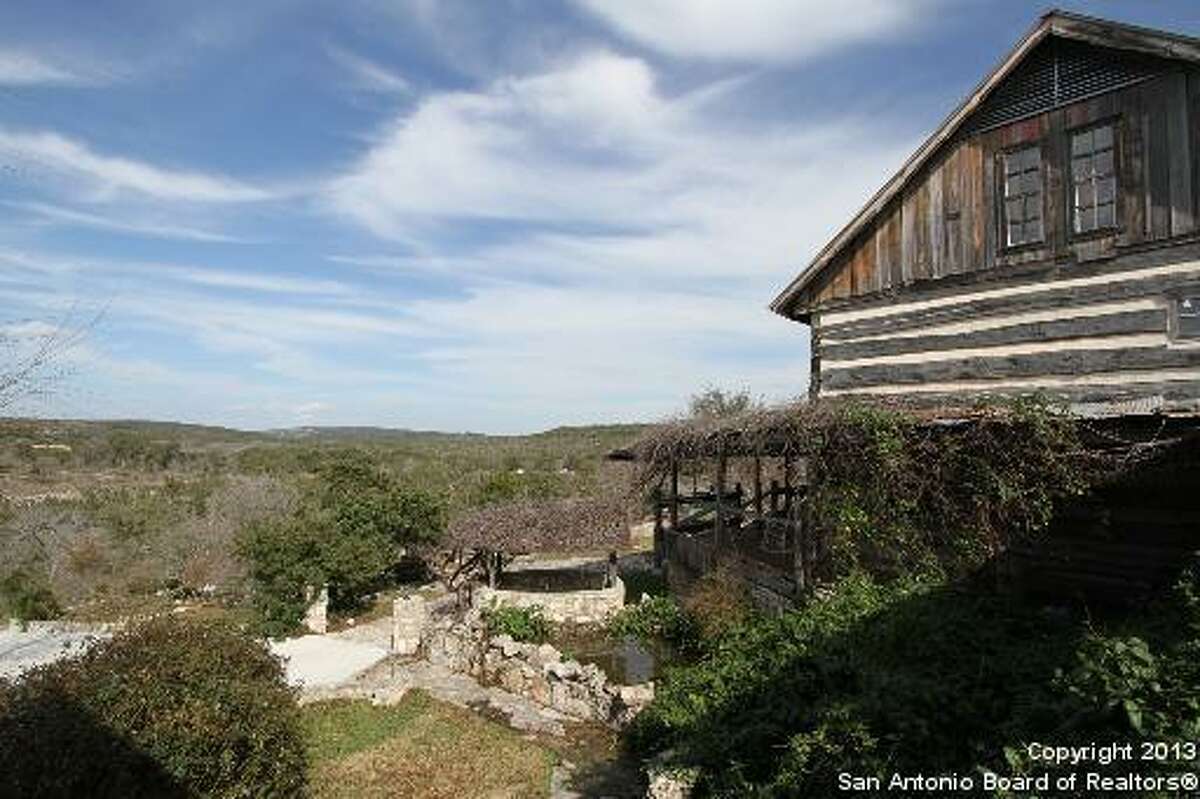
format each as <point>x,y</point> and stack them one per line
<point>716,403</point>
<point>33,354</point>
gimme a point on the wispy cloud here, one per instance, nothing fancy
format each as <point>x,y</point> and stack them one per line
<point>653,232</point>
<point>368,75</point>
<point>108,175</point>
<point>152,275</point>
<point>19,68</point>
<point>756,30</point>
<point>56,214</point>
<point>272,283</point>
<point>609,177</point>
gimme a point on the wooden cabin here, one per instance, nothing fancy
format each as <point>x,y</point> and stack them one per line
<point>1045,238</point>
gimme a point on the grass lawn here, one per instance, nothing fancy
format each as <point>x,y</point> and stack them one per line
<point>419,748</point>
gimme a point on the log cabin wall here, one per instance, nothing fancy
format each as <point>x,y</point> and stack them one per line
<point>928,302</point>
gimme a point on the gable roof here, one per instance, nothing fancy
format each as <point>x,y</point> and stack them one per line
<point>1060,24</point>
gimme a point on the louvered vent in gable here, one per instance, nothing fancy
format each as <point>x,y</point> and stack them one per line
<point>1059,72</point>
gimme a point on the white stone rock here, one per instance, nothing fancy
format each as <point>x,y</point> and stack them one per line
<point>409,620</point>
<point>316,617</point>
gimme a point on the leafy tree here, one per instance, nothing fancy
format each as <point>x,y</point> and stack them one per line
<point>353,526</point>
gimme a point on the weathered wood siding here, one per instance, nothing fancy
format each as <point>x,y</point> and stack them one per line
<point>1092,333</point>
<point>927,302</point>
<point>946,222</point>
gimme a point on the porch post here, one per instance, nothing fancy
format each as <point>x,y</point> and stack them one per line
<point>787,484</point>
<point>719,529</point>
<point>674,506</point>
<point>758,499</point>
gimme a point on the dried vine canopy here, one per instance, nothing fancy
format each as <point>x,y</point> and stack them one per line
<point>577,524</point>
<point>891,489</point>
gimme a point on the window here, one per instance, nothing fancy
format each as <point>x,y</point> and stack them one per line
<point>1023,196</point>
<point>1188,309</point>
<point>1094,179</point>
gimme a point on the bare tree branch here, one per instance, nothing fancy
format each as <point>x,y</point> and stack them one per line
<point>33,353</point>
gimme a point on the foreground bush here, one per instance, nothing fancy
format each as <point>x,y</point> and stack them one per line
<point>917,677</point>
<point>167,709</point>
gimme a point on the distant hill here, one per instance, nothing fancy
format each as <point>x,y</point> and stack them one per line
<point>199,435</point>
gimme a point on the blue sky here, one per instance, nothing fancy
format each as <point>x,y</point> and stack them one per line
<point>498,216</point>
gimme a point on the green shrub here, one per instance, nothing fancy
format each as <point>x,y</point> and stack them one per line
<point>528,625</point>
<point>130,514</point>
<point>919,677</point>
<point>23,597</point>
<point>1142,685</point>
<point>718,601</point>
<point>657,617</point>
<point>285,557</point>
<point>644,583</point>
<point>166,709</point>
<point>351,528</point>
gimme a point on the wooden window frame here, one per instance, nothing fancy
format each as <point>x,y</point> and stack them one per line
<point>1002,198</point>
<point>1175,333</point>
<point>1114,123</point>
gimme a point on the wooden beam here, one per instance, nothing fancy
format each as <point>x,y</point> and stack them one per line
<point>1151,356</point>
<point>758,499</point>
<point>658,534</point>
<point>1125,322</point>
<point>799,542</point>
<point>719,527</point>
<point>674,506</point>
<point>787,484</point>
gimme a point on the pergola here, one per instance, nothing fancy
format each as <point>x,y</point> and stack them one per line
<point>487,538</point>
<point>772,526</point>
<point>766,526</point>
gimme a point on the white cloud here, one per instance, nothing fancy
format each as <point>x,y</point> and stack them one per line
<point>107,175</point>
<point>655,231</point>
<point>662,185</point>
<point>307,412</point>
<point>369,75</point>
<point>604,354</point>
<point>756,30</point>
<point>649,229</point>
<point>492,153</point>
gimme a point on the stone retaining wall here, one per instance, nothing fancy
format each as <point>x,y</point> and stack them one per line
<point>581,607</point>
<point>538,672</point>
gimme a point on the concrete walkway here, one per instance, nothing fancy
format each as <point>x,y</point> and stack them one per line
<point>21,650</point>
<point>325,661</point>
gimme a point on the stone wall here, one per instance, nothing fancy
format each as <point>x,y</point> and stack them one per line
<point>581,691</point>
<point>538,672</point>
<point>581,607</point>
